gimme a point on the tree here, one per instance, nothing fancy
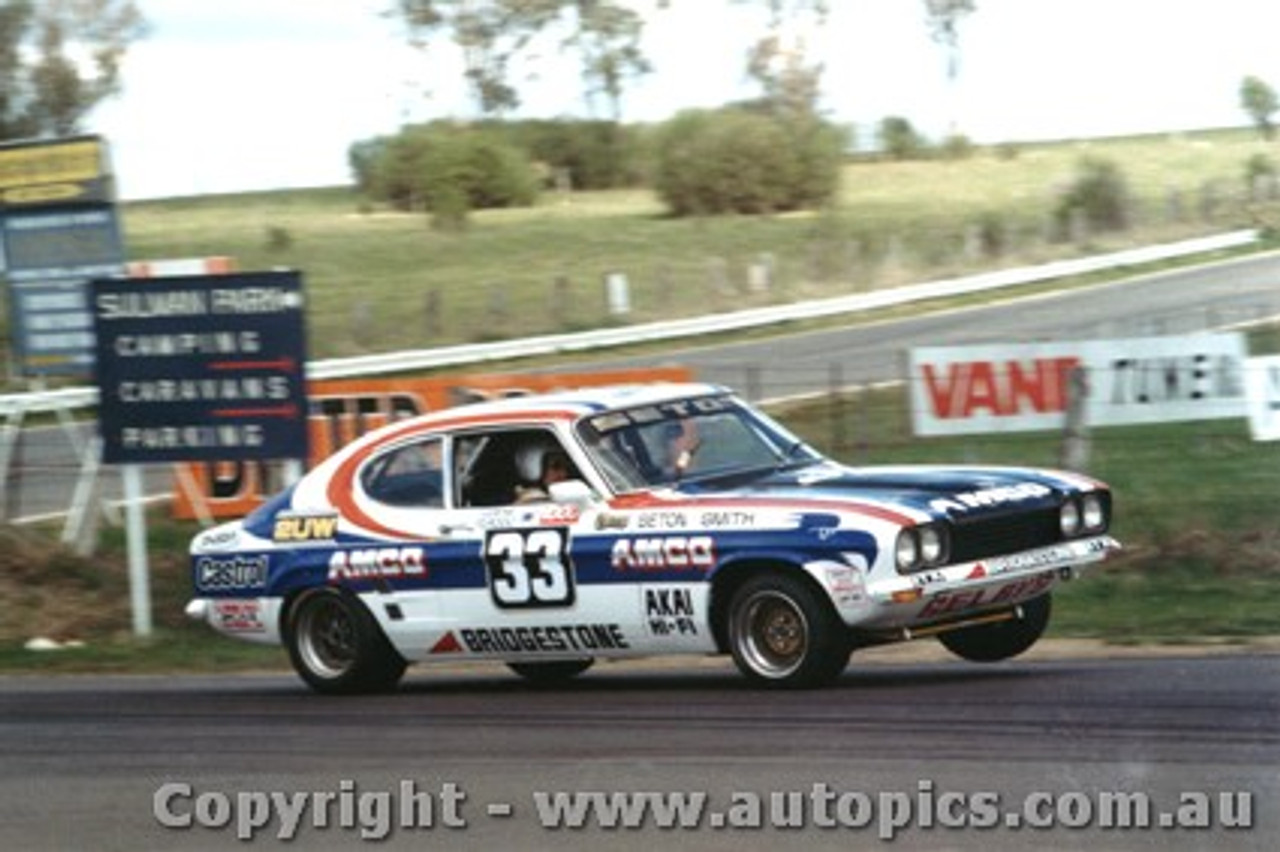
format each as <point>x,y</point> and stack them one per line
<point>491,33</point>
<point>944,18</point>
<point>778,61</point>
<point>1259,100</point>
<point>59,59</point>
<point>608,39</point>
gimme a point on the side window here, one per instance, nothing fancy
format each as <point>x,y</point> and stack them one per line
<point>501,468</point>
<point>408,475</point>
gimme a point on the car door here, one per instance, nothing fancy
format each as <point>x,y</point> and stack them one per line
<point>536,599</point>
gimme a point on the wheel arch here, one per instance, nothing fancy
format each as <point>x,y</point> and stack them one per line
<point>292,597</point>
<point>730,577</point>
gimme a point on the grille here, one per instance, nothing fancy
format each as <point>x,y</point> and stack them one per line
<point>987,537</point>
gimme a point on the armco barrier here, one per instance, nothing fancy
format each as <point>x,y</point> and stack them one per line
<point>446,356</point>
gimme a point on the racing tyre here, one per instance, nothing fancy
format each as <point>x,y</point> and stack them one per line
<point>338,648</point>
<point>989,643</point>
<point>551,672</point>
<point>783,633</point>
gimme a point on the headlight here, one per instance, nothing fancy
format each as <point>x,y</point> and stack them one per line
<point>1069,519</point>
<point>907,551</point>
<point>933,547</point>
<point>921,547</point>
<point>1092,513</point>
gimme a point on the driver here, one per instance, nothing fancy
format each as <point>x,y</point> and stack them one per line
<point>682,442</point>
<point>538,466</point>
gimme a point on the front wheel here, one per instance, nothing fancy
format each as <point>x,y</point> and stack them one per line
<point>338,648</point>
<point>989,643</point>
<point>551,672</point>
<point>783,633</point>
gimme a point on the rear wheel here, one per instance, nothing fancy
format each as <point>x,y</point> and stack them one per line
<point>783,633</point>
<point>552,671</point>
<point>337,647</point>
<point>989,643</point>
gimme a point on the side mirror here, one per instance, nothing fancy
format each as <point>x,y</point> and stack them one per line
<point>573,492</point>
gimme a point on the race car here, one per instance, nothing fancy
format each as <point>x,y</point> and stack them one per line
<point>550,531</point>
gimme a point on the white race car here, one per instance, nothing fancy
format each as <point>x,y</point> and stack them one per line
<point>550,531</point>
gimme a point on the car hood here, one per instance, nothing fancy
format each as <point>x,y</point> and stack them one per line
<point>955,492</point>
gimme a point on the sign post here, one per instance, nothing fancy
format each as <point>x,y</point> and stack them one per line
<point>199,368</point>
<point>136,544</point>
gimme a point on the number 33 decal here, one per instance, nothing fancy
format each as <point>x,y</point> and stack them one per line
<point>529,568</point>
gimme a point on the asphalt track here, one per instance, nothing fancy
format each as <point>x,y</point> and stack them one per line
<point>84,758</point>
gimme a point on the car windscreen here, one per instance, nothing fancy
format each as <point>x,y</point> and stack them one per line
<point>684,439</point>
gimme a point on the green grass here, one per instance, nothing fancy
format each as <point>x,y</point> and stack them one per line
<point>167,650</point>
<point>370,274</point>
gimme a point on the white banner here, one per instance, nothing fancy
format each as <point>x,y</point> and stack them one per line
<point>1262,381</point>
<point>958,390</point>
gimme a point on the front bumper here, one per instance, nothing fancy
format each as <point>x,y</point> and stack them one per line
<point>985,585</point>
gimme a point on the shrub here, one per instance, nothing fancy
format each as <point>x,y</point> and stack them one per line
<point>1098,193</point>
<point>594,154</point>
<point>957,146</point>
<point>899,139</point>
<point>449,170</point>
<point>1257,169</point>
<point>278,238</point>
<point>735,161</point>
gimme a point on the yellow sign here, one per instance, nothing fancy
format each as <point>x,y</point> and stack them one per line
<point>74,161</point>
<point>38,194</point>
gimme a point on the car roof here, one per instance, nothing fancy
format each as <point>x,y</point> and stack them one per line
<point>579,402</point>
<point>509,412</point>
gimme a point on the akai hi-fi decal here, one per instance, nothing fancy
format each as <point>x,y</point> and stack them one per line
<point>670,611</point>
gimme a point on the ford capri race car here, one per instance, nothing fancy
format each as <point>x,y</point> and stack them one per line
<point>547,532</point>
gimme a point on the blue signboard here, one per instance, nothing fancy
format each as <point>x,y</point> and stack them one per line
<point>58,229</point>
<point>201,367</point>
<point>51,255</point>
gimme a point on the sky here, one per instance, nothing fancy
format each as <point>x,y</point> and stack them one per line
<point>241,95</point>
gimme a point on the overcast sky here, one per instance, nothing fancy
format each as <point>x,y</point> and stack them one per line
<point>260,94</point>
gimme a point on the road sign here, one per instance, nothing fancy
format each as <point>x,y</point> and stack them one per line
<point>43,172</point>
<point>51,255</point>
<point>201,367</point>
<point>58,229</point>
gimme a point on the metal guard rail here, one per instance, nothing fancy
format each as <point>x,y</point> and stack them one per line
<point>65,399</point>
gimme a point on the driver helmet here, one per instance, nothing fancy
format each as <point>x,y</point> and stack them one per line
<point>529,459</point>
